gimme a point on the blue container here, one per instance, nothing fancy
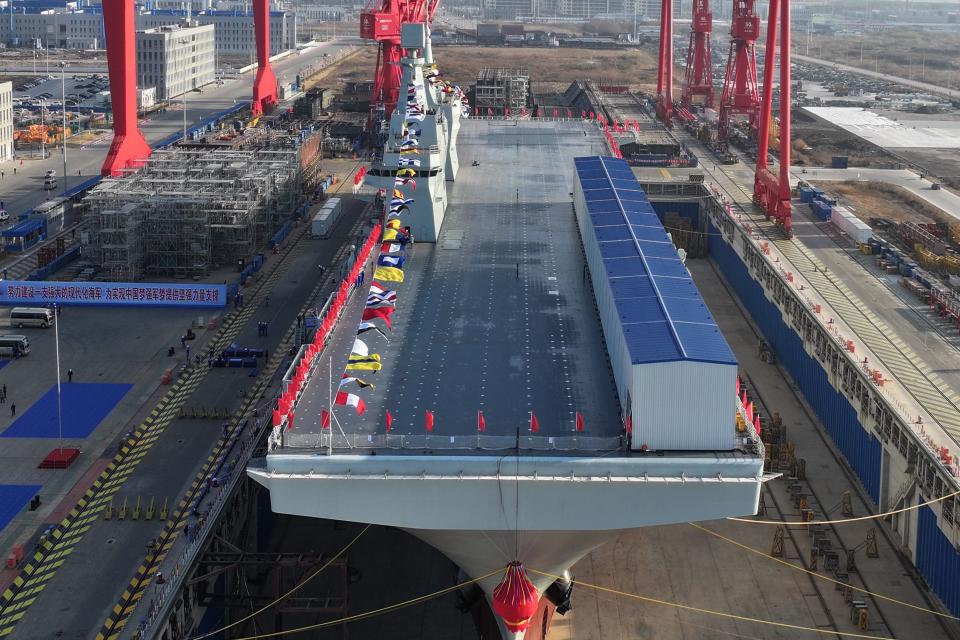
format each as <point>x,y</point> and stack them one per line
<point>906,269</point>
<point>840,162</point>
<point>806,194</point>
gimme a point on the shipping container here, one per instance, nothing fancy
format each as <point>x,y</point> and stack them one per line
<point>844,220</point>
<point>840,162</point>
<point>326,218</point>
<point>807,194</point>
<point>660,336</point>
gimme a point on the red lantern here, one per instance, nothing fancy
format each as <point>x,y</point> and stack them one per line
<point>515,599</point>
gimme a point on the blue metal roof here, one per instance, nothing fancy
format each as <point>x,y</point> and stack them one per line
<point>662,313</point>
<point>23,228</point>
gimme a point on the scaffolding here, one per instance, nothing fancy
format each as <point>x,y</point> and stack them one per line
<point>500,89</point>
<point>196,208</point>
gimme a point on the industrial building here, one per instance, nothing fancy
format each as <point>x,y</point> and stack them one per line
<point>6,121</point>
<point>194,208</point>
<point>234,29</point>
<point>70,28</point>
<point>175,58</point>
<point>502,91</point>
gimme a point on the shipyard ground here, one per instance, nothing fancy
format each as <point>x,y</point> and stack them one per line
<point>80,581</point>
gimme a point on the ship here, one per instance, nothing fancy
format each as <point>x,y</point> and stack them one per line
<point>506,373</point>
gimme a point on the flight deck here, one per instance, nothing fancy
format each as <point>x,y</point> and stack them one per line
<point>497,316</point>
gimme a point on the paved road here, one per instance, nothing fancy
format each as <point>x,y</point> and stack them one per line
<point>923,86</point>
<point>909,180</point>
<point>25,190</point>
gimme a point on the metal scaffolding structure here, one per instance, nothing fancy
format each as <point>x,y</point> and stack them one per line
<point>502,91</point>
<point>195,208</point>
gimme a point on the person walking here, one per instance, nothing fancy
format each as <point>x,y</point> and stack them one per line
<point>13,409</point>
<point>69,375</point>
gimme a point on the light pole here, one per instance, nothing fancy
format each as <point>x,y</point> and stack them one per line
<point>63,109</point>
<point>43,132</point>
<point>184,117</point>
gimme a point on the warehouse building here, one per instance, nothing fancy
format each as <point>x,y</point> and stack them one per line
<point>6,121</point>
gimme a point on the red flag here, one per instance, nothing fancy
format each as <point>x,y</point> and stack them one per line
<point>351,400</point>
<point>325,419</point>
<point>579,422</point>
<point>506,111</point>
<point>481,423</point>
<point>389,421</point>
<point>429,421</point>
<point>534,423</point>
<point>756,423</point>
<point>629,424</point>
<point>379,312</point>
<point>277,418</point>
<point>290,420</point>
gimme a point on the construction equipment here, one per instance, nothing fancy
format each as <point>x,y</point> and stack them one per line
<point>381,20</point>
<point>698,77</point>
<point>741,94</point>
<point>772,190</point>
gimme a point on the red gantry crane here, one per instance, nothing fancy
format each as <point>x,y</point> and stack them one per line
<point>665,64</point>
<point>772,190</point>
<point>698,77</point>
<point>741,95</point>
<point>381,20</point>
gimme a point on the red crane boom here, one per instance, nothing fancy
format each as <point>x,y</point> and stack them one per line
<point>772,190</point>
<point>740,93</point>
<point>698,77</point>
<point>665,64</point>
<point>381,20</point>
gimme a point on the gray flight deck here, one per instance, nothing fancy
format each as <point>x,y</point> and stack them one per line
<point>498,316</point>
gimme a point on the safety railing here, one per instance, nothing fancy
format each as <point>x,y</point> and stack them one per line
<point>480,442</point>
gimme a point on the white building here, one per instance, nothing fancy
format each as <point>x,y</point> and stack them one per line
<point>175,58</point>
<point>6,121</point>
<point>57,29</point>
<point>234,29</point>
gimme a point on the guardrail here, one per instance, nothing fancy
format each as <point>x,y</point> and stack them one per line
<point>478,442</point>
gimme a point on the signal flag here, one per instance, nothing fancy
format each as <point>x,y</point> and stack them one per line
<point>389,421</point>
<point>481,423</point>
<point>579,422</point>
<point>429,418</point>
<point>534,423</point>
<point>325,419</point>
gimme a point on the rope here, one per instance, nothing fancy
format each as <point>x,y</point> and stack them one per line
<point>721,614</point>
<point>820,576</point>
<point>374,612</point>
<point>288,593</point>
<point>846,520</point>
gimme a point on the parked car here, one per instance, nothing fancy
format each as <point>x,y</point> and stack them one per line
<point>4,216</point>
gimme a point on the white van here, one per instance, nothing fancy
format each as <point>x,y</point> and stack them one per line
<point>31,317</point>
<point>14,346</point>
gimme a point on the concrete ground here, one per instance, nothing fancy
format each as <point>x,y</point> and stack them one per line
<point>686,565</point>
<point>100,562</point>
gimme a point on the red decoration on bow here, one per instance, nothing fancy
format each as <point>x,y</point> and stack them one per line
<point>515,599</point>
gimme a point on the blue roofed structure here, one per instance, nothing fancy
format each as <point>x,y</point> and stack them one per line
<point>661,338</point>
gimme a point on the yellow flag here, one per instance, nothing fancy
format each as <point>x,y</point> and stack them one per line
<point>406,173</point>
<point>389,234</point>
<point>398,194</point>
<point>356,357</point>
<point>393,224</point>
<point>388,274</point>
<point>364,366</point>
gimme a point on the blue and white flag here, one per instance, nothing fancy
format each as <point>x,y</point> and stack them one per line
<point>408,162</point>
<point>391,261</point>
<point>375,299</point>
